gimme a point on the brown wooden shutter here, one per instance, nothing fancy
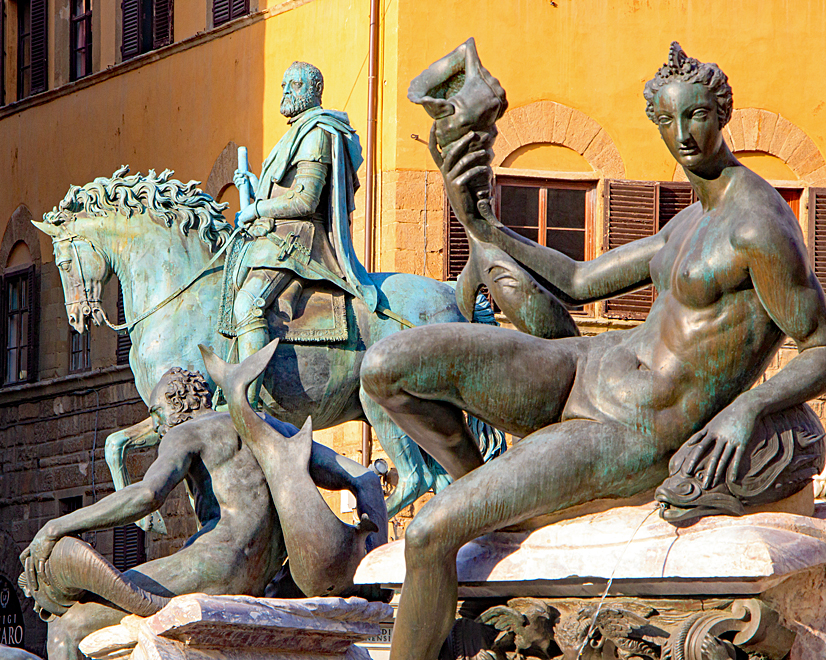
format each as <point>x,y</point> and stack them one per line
<point>674,197</point>
<point>2,53</point>
<point>457,251</point>
<point>630,214</point>
<point>817,232</point>
<point>131,28</point>
<point>39,41</point>
<point>33,302</point>
<point>162,23</point>
<point>124,341</point>
<point>128,548</point>
<point>239,8</point>
<point>220,11</point>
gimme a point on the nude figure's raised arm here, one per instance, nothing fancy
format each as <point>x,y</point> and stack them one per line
<point>793,298</point>
<point>121,507</point>
<point>467,175</point>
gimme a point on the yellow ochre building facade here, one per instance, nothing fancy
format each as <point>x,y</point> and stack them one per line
<point>90,85</point>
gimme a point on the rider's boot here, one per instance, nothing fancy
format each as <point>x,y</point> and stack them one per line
<point>288,300</point>
<point>252,337</point>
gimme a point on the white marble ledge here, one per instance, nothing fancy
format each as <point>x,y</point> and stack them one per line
<point>198,626</point>
<point>717,555</point>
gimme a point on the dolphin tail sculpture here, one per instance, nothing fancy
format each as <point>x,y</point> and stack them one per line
<point>324,551</point>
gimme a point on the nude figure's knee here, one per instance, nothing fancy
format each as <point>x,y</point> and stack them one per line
<point>67,631</point>
<point>63,639</point>
<point>382,371</point>
<point>427,540</point>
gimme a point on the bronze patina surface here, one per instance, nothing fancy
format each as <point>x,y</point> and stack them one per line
<point>601,416</point>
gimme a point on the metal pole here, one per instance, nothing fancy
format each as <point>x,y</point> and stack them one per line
<point>370,190</point>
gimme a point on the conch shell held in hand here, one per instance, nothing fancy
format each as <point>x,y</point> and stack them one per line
<point>461,96</point>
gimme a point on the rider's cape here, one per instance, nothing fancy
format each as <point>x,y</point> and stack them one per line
<point>346,157</point>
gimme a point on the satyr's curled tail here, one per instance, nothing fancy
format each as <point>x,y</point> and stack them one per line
<point>74,567</point>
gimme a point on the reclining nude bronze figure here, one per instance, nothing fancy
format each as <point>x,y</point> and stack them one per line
<point>601,416</point>
<point>247,531</point>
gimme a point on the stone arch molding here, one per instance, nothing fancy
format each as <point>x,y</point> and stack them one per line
<point>220,176</point>
<point>20,228</point>
<point>549,122</point>
<point>754,129</point>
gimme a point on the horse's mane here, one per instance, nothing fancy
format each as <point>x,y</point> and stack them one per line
<point>167,200</point>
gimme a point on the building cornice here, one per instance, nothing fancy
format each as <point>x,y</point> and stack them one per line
<point>147,58</point>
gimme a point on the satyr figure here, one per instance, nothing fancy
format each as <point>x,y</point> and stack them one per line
<point>298,221</point>
<point>601,416</point>
<point>244,534</point>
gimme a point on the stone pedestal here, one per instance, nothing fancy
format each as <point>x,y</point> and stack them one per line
<point>744,570</point>
<point>201,627</point>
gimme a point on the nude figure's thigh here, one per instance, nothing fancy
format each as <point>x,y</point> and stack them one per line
<point>514,381</point>
<point>555,468</point>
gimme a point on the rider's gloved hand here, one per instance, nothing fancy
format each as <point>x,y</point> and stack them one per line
<point>246,216</point>
<point>242,176</point>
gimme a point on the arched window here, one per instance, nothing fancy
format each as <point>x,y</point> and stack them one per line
<point>19,315</point>
<point>19,299</point>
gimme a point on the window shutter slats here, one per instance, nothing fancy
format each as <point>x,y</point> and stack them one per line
<point>131,28</point>
<point>33,291</point>
<point>127,547</point>
<point>124,341</point>
<point>458,250</point>
<point>220,11</point>
<point>631,214</point>
<point>239,8</point>
<point>674,197</point>
<point>817,229</point>
<point>39,52</point>
<point>163,25</point>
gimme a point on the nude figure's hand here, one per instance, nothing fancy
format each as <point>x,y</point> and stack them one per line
<point>34,557</point>
<point>465,167</point>
<point>727,435</point>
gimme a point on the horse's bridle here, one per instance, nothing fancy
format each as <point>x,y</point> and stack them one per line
<point>125,328</point>
<point>86,305</point>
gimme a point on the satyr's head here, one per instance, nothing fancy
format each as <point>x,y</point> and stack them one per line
<point>690,101</point>
<point>177,398</point>
<point>302,88</point>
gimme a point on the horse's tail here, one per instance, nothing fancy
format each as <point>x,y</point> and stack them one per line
<point>491,440</point>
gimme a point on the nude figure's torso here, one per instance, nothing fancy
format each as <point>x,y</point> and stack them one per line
<point>668,376</point>
<point>240,540</point>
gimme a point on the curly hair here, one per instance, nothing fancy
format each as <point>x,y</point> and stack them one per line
<point>186,392</point>
<point>682,68</point>
<point>166,200</point>
<point>314,74</point>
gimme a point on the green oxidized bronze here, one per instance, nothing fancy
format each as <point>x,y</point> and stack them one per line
<point>601,416</point>
<point>246,529</point>
<point>291,274</point>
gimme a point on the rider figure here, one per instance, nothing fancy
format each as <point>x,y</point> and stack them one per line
<point>298,222</point>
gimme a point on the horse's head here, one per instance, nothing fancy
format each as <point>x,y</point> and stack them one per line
<point>95,225</point>
<point>83,269</point>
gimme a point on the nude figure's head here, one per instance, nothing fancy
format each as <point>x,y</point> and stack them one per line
<point>690,101</point>
<point>177,398</point>
<point>301,88</point>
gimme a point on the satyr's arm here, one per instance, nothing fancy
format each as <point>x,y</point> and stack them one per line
<point>123,506</point>
<point>791,295</point>
<point>613,273</point>
<point>332,471</point>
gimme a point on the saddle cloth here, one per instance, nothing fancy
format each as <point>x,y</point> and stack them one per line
<point>319,316</point>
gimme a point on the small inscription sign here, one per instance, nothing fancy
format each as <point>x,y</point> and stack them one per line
<point>11,616</point>
<point>383,637</point>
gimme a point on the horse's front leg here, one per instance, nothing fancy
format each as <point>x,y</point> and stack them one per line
<point>415,477</point>
<point>117,445</point>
